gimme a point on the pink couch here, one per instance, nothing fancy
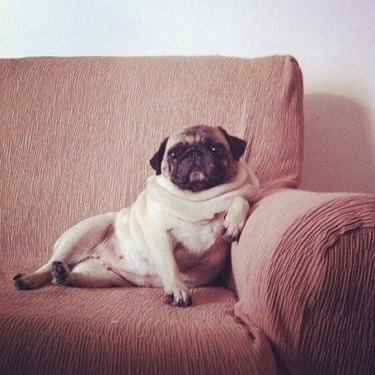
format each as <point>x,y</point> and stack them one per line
<point>76,137</point>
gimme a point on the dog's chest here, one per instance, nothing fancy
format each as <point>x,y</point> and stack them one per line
<point>197,237</point>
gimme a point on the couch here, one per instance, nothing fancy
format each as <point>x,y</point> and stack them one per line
<point>76,137</point>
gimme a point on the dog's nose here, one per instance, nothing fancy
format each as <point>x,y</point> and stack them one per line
<point>196,156</point>
<point>194,153</point>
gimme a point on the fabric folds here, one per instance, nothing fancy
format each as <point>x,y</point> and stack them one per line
<point>304,275</point>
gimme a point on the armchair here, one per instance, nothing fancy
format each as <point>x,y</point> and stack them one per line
<point>76,137</point>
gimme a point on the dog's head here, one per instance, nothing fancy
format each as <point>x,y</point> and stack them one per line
<point>199,157</point>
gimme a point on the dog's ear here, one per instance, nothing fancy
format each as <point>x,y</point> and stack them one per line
<point>237,145</point>
<point>156,160</point>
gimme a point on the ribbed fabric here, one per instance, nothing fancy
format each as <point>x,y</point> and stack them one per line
<point>76,137</point>
<point>305,276</point>
<point>57,330</point>
<point>77,133</point>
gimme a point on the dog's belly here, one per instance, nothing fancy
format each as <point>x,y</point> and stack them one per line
<point>127,263</point>
<point>200,270</point>
<point>199,251</point>
<point>131,259</point>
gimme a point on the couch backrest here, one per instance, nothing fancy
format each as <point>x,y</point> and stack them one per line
<point>77,133</point>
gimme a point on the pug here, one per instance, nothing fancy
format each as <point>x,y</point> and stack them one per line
<point>178,232</point>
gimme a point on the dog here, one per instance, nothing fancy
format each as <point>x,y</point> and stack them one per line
<point>178,232</point>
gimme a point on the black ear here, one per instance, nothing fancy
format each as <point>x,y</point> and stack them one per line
<point>156,160</point>
<point>237,145</point>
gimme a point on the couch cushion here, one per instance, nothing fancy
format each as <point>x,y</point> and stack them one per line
<point>58,330</point>
<point>77,133</point>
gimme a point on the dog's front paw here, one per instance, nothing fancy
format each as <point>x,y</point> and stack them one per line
<point>179,296</point>
<point>235,220</point>
<point>59,272</point>
<point>231,233</point>
<point>232,229</point>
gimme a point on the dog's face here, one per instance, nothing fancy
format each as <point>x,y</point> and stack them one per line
<point>199,157</point>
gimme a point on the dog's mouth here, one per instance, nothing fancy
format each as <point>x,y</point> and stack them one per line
<point>198,180</point>
<point>196,176</point>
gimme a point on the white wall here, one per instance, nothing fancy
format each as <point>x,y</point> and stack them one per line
<point>334,41</point>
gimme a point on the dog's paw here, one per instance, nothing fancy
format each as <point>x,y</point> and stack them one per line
<point>231,233</point>
<point>178,297</point>
<point>22,282</point>
<point>59,272</point>
<point>235,220</point>
<point>232,229</point>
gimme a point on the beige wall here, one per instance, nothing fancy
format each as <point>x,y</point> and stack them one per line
<point>334,41</point>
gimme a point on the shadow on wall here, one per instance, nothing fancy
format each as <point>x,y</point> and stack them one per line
<point>339,147</point>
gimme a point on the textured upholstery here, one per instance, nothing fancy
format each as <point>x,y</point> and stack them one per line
<point>77,133</point>
<point>305,275</point>
<point>117,331</point>
<point>76,137</point>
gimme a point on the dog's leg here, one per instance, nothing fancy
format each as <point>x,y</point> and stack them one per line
<point>235,219</point>
<point>77,242</point>
<point>73,246</point>
<point>33,280</point>
<point>175,291</point>
<point>90,273</point>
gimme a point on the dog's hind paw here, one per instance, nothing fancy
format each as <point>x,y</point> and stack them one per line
<point>59,272</point>
<point>21,282</point>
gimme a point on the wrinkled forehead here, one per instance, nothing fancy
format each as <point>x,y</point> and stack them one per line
<point>197,134</point>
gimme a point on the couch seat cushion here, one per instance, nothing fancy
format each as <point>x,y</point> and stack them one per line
<point>56,330</point>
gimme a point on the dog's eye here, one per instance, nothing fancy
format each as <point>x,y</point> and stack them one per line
<point>216,148</point>
<point>174,154</point>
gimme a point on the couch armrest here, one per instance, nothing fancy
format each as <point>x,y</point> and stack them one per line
<point>304,273</point>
